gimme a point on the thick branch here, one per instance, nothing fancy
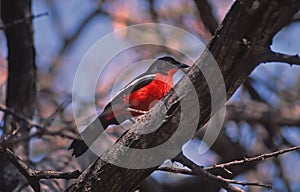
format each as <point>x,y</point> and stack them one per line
<point>271,56</point>
<point>206,15</point>
<point>21,83</point>
<point>254,112</point>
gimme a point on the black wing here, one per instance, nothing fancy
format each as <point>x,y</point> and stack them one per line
<point>117,101</point>
<point>137,83</point>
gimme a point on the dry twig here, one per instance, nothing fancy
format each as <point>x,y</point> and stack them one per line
<point>23,20</point>
<point>198,170</point>
<point>34,176</point>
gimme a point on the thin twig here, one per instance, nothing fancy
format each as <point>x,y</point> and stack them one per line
<point>175,170</point>
<point>205,174</point>
<point>41,130</point>
<point>30,123</point>
<point>251,159</point>
<point>221,181</point>
<point>247,183</point>
<point>9,141</point>
<point>68,41</point>
<point>34,176</point>
<point>19,116</point>
<point>59,109</point>
<point>23,20</point>
<point>189,172</point>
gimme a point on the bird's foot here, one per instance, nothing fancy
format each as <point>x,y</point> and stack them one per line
<point>167,118</point>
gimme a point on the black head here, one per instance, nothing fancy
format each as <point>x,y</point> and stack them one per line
<point>165,64</point>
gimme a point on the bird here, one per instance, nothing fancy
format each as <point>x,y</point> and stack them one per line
<point>133,100</point>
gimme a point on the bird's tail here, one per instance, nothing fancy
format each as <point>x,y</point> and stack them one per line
<point>89,135</point>
<point>78,146</point>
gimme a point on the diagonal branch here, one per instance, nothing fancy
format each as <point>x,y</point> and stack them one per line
<point>68,41</point>
<point>206,14</point>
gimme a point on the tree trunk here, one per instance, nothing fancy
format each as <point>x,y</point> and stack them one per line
<point>21,85</point>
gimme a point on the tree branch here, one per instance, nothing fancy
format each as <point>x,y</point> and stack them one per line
<point>252,159</point>
<point>255,112</point>
<point>205,171</point>
<point>208,176</point>
<point>68,41</point>
<point>19,116</point>
<point>42,130</point>
<point>296,18</point>
<point>248,183</point>
<point>207,17</point>
<point>224,166</point>
<point>189,172</point>
<point>271,56</point>
<point>23,20</point>
<point>34,176</point>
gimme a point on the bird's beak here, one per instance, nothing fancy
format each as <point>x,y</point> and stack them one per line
<point>182,65</point>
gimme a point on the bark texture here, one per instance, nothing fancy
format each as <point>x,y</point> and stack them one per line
<point>21,84</point>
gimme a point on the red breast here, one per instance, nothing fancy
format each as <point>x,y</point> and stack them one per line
<point>146,97</point>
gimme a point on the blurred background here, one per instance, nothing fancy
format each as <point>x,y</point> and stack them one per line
<point>262,116</point>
